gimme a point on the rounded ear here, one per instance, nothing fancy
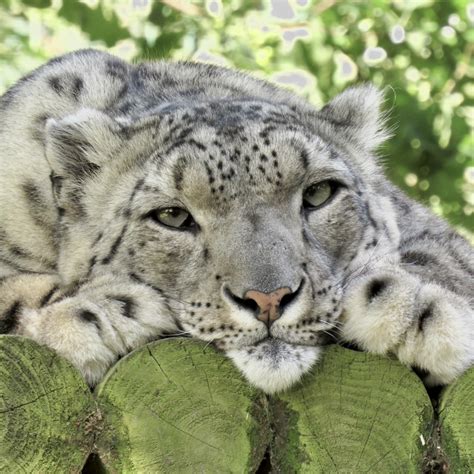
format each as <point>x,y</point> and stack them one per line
<point>78,144</point>
<point>356,113</point>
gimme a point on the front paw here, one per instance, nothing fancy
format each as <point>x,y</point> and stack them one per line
<point>424,325</point>
<point>378,308</point>
<point>441,339</point>
<point>77,335</point>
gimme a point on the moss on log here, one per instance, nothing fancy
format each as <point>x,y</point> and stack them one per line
<point>356,412</point>
<point>47,413</point>
<point>178,406</point>
<point>457,423</point>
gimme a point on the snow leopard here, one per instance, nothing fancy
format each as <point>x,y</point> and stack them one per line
<point>182,199</point>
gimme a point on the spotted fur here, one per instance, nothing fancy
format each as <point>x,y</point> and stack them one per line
<point>92,147</point>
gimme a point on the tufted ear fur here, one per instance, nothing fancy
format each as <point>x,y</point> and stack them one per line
<point>77,145</point>
<point>356,114</point>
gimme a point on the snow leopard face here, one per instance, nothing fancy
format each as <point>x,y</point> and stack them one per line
<point>248,220</point>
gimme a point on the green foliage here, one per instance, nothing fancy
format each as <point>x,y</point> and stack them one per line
<point>92,21</point>
<point>419,51</point>
<point>37,3</point>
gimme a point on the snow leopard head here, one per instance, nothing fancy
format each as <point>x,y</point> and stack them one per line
<point>247,211</point>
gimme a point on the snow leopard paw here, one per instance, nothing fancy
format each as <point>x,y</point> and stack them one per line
<point>387,310</point>
<point>75,334</point>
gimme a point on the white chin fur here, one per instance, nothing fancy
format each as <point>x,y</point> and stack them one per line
<point>274,365</point>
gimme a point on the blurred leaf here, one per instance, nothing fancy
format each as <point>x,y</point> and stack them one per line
<point>38,3</point>
<point>94,22</point>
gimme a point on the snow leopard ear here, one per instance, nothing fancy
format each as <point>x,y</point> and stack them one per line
<point>356,114</point>
<point>77,145</point>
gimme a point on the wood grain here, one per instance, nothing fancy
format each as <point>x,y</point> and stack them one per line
<point>47,413</point>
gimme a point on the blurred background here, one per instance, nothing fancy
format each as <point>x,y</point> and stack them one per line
<point>419,51</point>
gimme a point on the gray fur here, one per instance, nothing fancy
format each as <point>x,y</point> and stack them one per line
<point>92,146</point>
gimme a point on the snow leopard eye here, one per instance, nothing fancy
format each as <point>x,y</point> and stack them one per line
<point>174,217</point>
<point>320,193</point>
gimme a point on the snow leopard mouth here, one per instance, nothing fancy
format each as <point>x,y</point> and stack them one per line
<point>272,364</point>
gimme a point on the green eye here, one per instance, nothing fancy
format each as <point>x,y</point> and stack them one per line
<point>174,217</point>
<point>319,193</point>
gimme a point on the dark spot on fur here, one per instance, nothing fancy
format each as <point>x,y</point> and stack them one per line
<point>197,144</point>
<point>417,258</point>
<point>116,69</point>
<point>55,84</point>
<point>369,216</point>
<point>47,297</point>
<point>89,317</point>
<point>37,205</point>
<point>376,288</point>
<point>99,236</point>
<point>304,159</point>
<point>18,252</point>
<point>9,319</point>
<point>92,262</point>
<point>178,172</point>
<point>77,86</point>
<point>115,246</point>
<point>128,305</point>
<point>69,292</point>
<point>138,279</point>
<point>370,244</point>
<point>424,316</point>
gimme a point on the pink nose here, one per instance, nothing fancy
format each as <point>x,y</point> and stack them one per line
<point>268,303</point>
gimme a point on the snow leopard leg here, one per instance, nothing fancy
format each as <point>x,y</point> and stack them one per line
<point>391,309</point>
<point>91,324</point>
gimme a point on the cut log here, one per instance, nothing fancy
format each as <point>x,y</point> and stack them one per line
<point>47,413</point>
<point>179,406</point>
<point>356,412</point>
<point>457,423</point>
